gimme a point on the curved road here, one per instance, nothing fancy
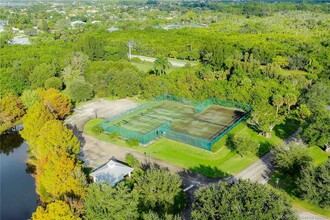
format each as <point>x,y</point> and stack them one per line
<point>96,152</point>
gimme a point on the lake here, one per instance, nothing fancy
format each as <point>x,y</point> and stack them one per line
<point>17,192</point>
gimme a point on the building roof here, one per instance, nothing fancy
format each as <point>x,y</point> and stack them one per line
<point>111,172</point>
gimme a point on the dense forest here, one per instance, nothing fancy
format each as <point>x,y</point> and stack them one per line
<point>274,56</point>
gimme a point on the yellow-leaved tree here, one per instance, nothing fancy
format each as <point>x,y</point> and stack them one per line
<point>59,176</point>
<point>58,103</point>
<point>54,211</point>
<point>33,121</point>
<point>11,110</point>
<point>55,135</point>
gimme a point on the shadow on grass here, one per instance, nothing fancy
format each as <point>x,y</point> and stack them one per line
<point>208,171</point>
<point>284,182</point>
<point>286,128</point>
<point>263,148</point>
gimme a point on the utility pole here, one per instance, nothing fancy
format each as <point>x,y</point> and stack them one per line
<point>130,45</point>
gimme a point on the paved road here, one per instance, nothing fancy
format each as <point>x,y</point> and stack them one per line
<point>260,172</point>
<point>174,63</point>
<point>261,169</point>
<point>257,172</point>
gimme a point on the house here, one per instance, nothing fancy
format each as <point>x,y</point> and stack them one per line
<point>111,172</point>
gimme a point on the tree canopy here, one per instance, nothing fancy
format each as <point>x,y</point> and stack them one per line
<point>242,200</point>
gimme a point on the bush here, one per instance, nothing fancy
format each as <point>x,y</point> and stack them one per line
<point>131,160</point>
<point>97,129</point>
<point>113,135</point>
<point>132,142</point>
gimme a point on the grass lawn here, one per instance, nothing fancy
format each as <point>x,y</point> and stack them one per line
<point>222,162</point>
<point>287,185</point>
<point>145,66</point>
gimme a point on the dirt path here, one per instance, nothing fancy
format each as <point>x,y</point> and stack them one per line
<point>96,152</point>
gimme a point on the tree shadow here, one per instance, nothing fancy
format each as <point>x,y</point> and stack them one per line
<point>284,182</point>
<point>263,148</point>
<point>286,128</point>
<point>148,165</point>
<point>230,143</point>
<point>208,171</point>
<point>254,128</point>
<point>78,133</point>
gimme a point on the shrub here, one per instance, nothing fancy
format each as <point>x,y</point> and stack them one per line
<point>131,160</point>
<point>97,129</point>
<point>132,142</point>
<point>113,135</point>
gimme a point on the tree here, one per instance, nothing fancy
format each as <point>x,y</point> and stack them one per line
<point>29,98</point>
<point>290,99</point>
<point>281,61</point>
<point>161,64</point>
<point>54,211</point>
<point>163,216</point>
<point>104,201</point>
<point>93,47</point>
<point>314,184</point>
<point>40,74</point>
<point>58,103</point>
<point>316,130</point>
<point>291,157</point>
<point>242,200</point>
<point>126,83</point>
<point>80,91</point>
<point>278,101</point>
<point>160,190</point>
<point>54,82</point>
<point>55,135</point>
<point>131,160</point>
<point>33,121</point>
<point>58,176</point>
<point>11,109</point>
<point>243,145</point>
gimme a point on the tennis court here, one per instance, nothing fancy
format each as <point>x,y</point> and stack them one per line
<point>175,119</point>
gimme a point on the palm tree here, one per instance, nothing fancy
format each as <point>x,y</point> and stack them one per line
<point>278,101</point>
<point>290,99</point>
<point>161,64</point>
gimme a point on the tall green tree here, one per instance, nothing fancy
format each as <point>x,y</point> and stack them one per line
<point>104,201</point>
<point>314,184</point>
<point>160,190</point>
<point>291,157</point>
<point>40,74</point>
<point>80,91</point>
<point>161,65</point>
<point>278,101</point>
<point>29,98</point>
<point>242,200</point>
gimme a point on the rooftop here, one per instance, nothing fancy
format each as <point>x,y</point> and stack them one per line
<point>111,172</point>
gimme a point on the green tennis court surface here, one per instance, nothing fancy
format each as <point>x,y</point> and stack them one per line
<point>176,120</point>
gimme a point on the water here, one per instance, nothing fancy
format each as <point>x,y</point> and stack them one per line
<point>17,187</point>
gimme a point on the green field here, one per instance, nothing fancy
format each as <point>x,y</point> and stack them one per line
<point>223,162</point>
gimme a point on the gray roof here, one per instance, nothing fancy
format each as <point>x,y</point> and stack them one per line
<point>112,172</point>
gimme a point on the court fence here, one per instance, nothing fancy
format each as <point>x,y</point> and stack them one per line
<point>165,128</point>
